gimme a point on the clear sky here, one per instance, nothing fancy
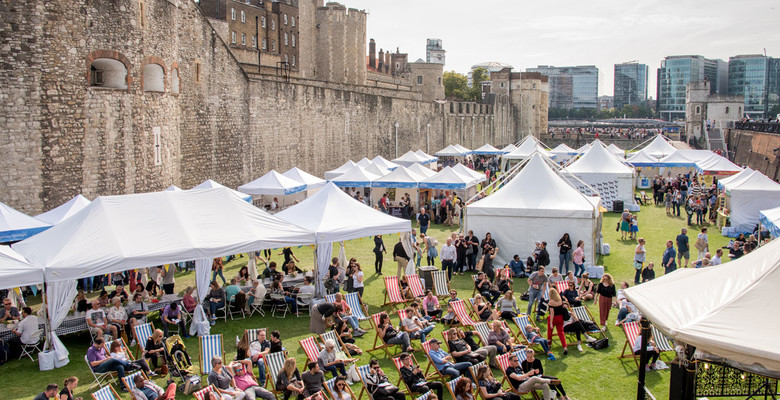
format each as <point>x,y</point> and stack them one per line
<point>526,33</point>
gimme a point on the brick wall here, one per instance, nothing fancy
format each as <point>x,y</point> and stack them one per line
<point>757,150</point>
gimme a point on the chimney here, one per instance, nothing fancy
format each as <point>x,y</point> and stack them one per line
<point>381,64</point>
<point>372,54</point>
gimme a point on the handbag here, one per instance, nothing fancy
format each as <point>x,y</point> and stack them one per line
<point>469,250</point>
<point>600,344</point>
<point>700,245</point>
<point>480,263</point>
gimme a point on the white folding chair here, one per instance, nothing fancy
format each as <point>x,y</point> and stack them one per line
<point>101,378</point>
<point>30,349</point>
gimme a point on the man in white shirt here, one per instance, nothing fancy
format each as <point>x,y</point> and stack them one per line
<point>716,260</point>
<point>27,331</point>
<point>448,257</point>
<point>274,204</point>
<point>97,322</point>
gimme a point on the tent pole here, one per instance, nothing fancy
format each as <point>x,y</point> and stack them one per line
<point>640,389</point>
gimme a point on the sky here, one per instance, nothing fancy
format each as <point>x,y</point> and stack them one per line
<point>603,33</point>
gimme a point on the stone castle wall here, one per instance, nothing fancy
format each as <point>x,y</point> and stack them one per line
<point>757,150</point>
<point>60,137</point>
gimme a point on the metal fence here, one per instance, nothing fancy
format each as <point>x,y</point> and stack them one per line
<point>718,380</point>
<point>766,127</point>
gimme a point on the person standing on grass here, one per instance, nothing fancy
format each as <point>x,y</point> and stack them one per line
<point>639,259</point>
<point>535,286</point>
<point>682,247</point>
<point>448,256</point>
<point>669,258</point>
<point>702,244</point>
<point>423,220</point>
<point>379,251</point>
<point>400,256</point>
<point>606,295</point>
<point>564,257</point>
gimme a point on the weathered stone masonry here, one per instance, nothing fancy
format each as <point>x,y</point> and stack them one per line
<point>60,137</point>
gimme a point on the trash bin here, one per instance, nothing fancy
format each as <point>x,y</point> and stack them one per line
<point>426,273</point>
<point>617,206</point>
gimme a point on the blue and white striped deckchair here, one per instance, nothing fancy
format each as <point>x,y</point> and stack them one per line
<point>441,284</point>
<point>451,385</point>
<point>106,393</point>
<point>331,383</point>
<point>210,346</point>
<point>362,373</point>
<point>583,314</point>
<point>251,334</point>
<point>424,396</point>
<point>142,333</point>
<point>129,380</point>
<point>356,304</point>
<point>274,362</point>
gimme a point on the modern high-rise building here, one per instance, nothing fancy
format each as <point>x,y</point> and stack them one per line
<point>757,78</point>
<point>630,84</point>
<point>434,53</point>
<point>571,87</point>
<point>675,74</point>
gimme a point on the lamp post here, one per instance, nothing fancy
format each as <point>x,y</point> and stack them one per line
<point>396,139</point>
<point>427,138</point>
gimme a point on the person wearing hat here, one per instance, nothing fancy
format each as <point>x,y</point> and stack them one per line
<point>443,361</point>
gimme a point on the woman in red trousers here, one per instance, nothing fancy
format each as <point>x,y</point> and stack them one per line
<point>605,296</point>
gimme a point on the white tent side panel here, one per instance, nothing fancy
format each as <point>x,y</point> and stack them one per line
<point>609,186</point>
<point>745,207</point>
<point>518,234</point>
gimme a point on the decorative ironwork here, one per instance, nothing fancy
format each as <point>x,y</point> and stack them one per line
<point>719,380</point>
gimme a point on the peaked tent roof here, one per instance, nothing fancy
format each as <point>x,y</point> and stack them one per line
<point>15,271</point>
<point>616,150</point>
<point>526,149</point>
<point>400,177</point>
<point>173,188</point>
<point>725,317</point>
<point>770,219</point>
<point>16,225</point>
<point>355,177</point>
<point>463,149</point>
<point>676,159</point>
<point>420,170</point>
<point>564,149</point>
<point>551,194</point>
<point>598,159</point>
<point>756,182</point>
<point>508,148</point>
<point>364,162</point>
<point>736,177</point>
<point>381,162</point>
<point>117,233</point>
<point>340,170</point>
<point>64,211</point>
<point>272,183</point>
<point>696,155</point>
<point>486,149</point>
<point>447,178</point>
<point>642,159</point>
<point>583,148</point>
<point>451,151</point>
<point>377,170</point>
<point>425,156</point>
<point>659,147</point>
<point>466,171</point>
<point>410,157</point>
<point>311,181</point>
<point>209,184</point>
<point>335,216</point>
<point>717,164</point>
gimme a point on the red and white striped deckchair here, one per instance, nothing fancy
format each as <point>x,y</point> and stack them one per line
<point>311,348</point>
<point>393,291</point>
<point>462,313</point>
<point>415,285</point>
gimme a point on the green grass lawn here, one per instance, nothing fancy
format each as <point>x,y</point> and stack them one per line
<point>593,374</point>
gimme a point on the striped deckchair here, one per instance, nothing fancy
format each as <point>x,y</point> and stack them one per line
<point>583,314</point>
<point>441,284</point>
<point>332,335</point>
<point>129,381</point>
<point>318,395</point>
<point>362,373</point>
<point>503,362</point>
<point>106,393</point>
<point>210,346</point>
<point>129,354</point>
<point>427,349</point>
<point>561,286</point>
<point>424,396</point>
<point>473,371</point>
<point>251,334</point>
<point>356,304</point>
<point>203,394</point>
<point>331,383</point>
<point>483,330</point>
<point>379,342</point>
<point>415,286</point>
<point>506,328</point>
<point>451,385</point>
<point>398,365</point>
<point>462,313</point>
<point>661,341</point>
<point>521,321</point>
<point>504,272</point>
<point>393,292</point>
<point>546,292</point>
<point>274,362</point>
<point>632,331</point>
<point>311,348</point>
<point>142,333</point>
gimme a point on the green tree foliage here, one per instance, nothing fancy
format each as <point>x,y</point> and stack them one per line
<point>478,76</point>
<point>455,85</point>
<point>774,111</point>
<point>628,111</point>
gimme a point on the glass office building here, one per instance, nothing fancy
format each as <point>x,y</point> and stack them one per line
<point>630,84</point>
<point>756,78</point>
<point>571,87</point>
<point>673,78</point>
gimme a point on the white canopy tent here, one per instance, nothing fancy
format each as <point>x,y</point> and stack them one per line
<point>377,170</point>
<point>717,165</point>
<point>696,155</point>
<point>448,179</point>
<point>451,151</point>
<point>311,181</point>
<point>603,171</point>
<point>334,216</point>
<point>65,211</point>
<point>617,151</point>
<point>748,196</point>
<point>736,177</point>
<point>659,147</point>
<point>364,162</point>
<point>410,158</point>
<point>355,177</point>
<point>721,310</point>
<point>508,148</point>
<point>340,170</point>
<point>563,152</point>
<point>526,149</point>
<point>676,160</point>
<point>487,149</point>
<point>173,188</point>
<point>642,159</point>
<point>583,148</point>
<point>117,233</point>
<point>464,150</point>
<point>420,170</point>
<point>209,184</point>
<point>400,178</point>
<point>466,171</point>
<point>425,156</point>
<point>16,225</point>
<point>537,204</point>
<point>770,220</point>
<point>15,271</point>
<point>272,184</point>
<point>381,162</point>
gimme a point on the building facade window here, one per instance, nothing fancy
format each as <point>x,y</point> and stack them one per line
<point>233,37</point>
<point>243,39</point>
<point>265,44</point>
<point>727,110</point>
<point>273,24</point>
<point>154,78</point>
<point>273,45</point>
<point>293,40</point>
<point>254,42</point>
<point>439,81</point>
<point>293,60</point>
<point>698,110</point>
<point>262,22</point>
<point>292,21</point>
<point>285,19</point>
<point>175,80</point>
<point>197,71</point>
<point>108,73</point>
<point>286,43</point>
<point>286,58</point>
<point>233,14</point>
<point>419,79</point>
<point>243,16</point>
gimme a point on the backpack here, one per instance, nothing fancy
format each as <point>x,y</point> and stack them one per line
<point>600,344</point>
<point>433,242</point>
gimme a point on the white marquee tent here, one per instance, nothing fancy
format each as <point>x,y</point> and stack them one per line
<point>117,233</point>
<point>420,170</point>
<point>377,170</point>
<point>486,149</point>
<point>272,184</point>
<point>563,152</point>
<point>410,158</point>
<point>717,165</point>
<point>722,310</point>
<point>15,271</point>
<point>508,148</point>
<point>340,170</point>
<point>642,159</point>
<point>399,178</point>
<point>770,220</point>
<point>209,184</point>
<point>696,155</point>
<point>537,204</point>
<point>425,156</point>
<point>604,172</point>
<point>677,160</point>
<point>448,178</point>
<point>364,162</point>
<point>464,150</point>
<point>736,177</point>
<point>659,147</point>
<point>355,177</point>
<point>311,181</point>
<point>334,216</point>
<point>526,149</point>
<point>64,211</point>
<point>466,171</point>
<point>381,162</point>
<point>748,196</point>
<point>617,151</point>
<point>173,188</point>
<point>16,225</point>
<point>452,151</point>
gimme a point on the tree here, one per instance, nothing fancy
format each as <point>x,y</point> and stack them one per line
<point>455,85</point>
<point>774,111</point>
<point>478,75</point>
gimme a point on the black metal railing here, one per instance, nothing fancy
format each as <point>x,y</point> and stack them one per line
<point>720,380</point>
<point>766,127</point>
